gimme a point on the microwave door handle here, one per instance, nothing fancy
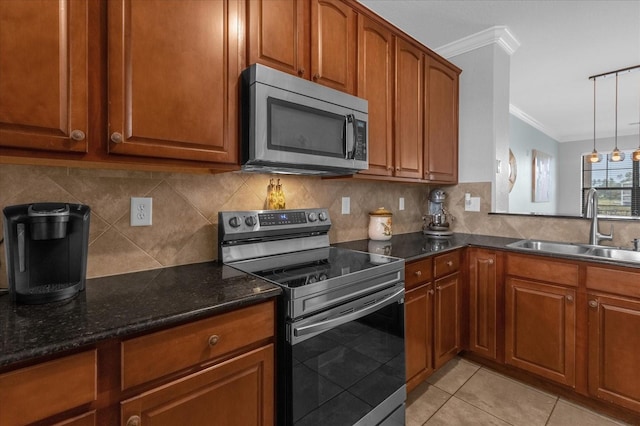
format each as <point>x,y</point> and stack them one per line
<point>349,136</point>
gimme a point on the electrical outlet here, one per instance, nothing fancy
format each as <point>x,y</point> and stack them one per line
<point>141,211</point>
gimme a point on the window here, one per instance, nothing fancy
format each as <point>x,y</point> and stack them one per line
<point>617,184</point>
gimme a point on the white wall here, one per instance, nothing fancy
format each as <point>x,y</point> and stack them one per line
<point>523,139</point>
<point>484,115</point>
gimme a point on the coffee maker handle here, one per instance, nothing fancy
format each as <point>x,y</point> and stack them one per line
<point>21,245</point>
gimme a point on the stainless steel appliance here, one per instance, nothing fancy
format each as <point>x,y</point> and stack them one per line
<point>291,125</point>
<point>341,350</point>
<point>46,250</point>
<point>438,217</point>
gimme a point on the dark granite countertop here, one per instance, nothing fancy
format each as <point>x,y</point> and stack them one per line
<point>417,245</point>
<point>122,305</point>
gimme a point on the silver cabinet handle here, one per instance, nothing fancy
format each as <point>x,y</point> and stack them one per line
<point>569,298</point>
<point>593,303</point>
<point>77,135</point>
<point>352,316</point>
<point>116,137</point>
<point>490,262</point>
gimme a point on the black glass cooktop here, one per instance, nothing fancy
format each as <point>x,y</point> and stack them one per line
<point>304,268</point>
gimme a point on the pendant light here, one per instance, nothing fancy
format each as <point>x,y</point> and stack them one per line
<point>616,155</point>
<point>596,157</point>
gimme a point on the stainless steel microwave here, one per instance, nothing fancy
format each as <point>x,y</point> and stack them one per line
<point>291,125</point>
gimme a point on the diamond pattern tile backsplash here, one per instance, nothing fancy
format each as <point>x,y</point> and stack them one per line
<point>185,211</point>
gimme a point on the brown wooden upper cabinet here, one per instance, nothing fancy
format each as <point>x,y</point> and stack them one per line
<point>44,75</point>
<point>408,107</point>
<point>375,83</point>
<point>313,40</point>
<point>413,106</point>
<point>173,79</point>
<point>440,121</point>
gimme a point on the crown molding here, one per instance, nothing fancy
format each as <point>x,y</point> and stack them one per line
<point>517,112</point>
<point>499,35</point>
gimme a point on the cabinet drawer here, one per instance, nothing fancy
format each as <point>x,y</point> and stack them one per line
<point>417,272</point>
<point>446,264</point>
<point>542,269</point>
<point>37,392</point>
<point>155,355</point>
<point>624,283</point>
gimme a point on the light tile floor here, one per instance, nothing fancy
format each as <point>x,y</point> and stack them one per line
<point>464,393</point>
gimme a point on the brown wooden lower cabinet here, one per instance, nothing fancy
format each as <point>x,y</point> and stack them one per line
<point>236,392</point>
<point>483,302</point>
<point>34,393</point>
<point>446,319</point>
<point>540,329</point>
<point>214,371</point>
<point>614,358</point>
<point>419,334</point>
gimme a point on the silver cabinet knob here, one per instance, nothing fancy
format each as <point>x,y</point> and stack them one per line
<point>418,273</point>
<point>569,298</point>
<point>77,135</point>
<point>116,137</point>
<point>490,262</point>
<point>593,303</point>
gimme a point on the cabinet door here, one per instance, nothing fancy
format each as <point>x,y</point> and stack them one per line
<point>408,140</point>
<point>540,329</point>
<point>44,75</point>
<point>333,45</point>
<point>613,350</point>
<point>239,391</point>
<point>278,35</point>
<point>375,79</point>
<point>173,76</point>
<point>419,334</point>
<point>441,122</point>
<point>446,319</point>
<point>482,303</point>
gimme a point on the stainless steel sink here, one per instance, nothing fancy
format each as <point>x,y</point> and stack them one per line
<point>615,254</point>
<point>581,250</point>
<point>550,247</point>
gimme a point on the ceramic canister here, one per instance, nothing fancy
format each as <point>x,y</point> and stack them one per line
<point>380,224</point>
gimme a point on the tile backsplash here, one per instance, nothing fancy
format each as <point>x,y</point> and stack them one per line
<point>185,211</point>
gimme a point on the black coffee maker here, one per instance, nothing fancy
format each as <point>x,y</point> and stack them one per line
<point>46,250</point>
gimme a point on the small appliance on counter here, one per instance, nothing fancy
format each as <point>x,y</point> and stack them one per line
<point>46,250</point>
<point>438,217</point>
<point>380,225</point>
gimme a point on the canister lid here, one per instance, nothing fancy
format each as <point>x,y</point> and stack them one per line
<point>381,211</point>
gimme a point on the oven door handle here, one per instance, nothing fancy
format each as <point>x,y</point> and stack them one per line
<point>352,316</point>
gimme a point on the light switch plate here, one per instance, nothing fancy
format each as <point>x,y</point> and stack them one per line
<point>346,205</point>
<point>401,204</point>
<point>473,205</point>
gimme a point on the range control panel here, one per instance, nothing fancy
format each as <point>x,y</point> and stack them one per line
<point>259,223</point>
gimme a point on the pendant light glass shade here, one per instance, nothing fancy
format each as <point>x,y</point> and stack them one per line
<point>616,155</point>
<point>594,157</point>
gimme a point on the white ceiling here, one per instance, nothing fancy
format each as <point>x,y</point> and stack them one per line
<point>562,44</point>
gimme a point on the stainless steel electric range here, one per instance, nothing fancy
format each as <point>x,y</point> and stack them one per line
<point>341,350</point>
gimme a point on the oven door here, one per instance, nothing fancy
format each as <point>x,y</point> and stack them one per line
<point>346,366</point>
